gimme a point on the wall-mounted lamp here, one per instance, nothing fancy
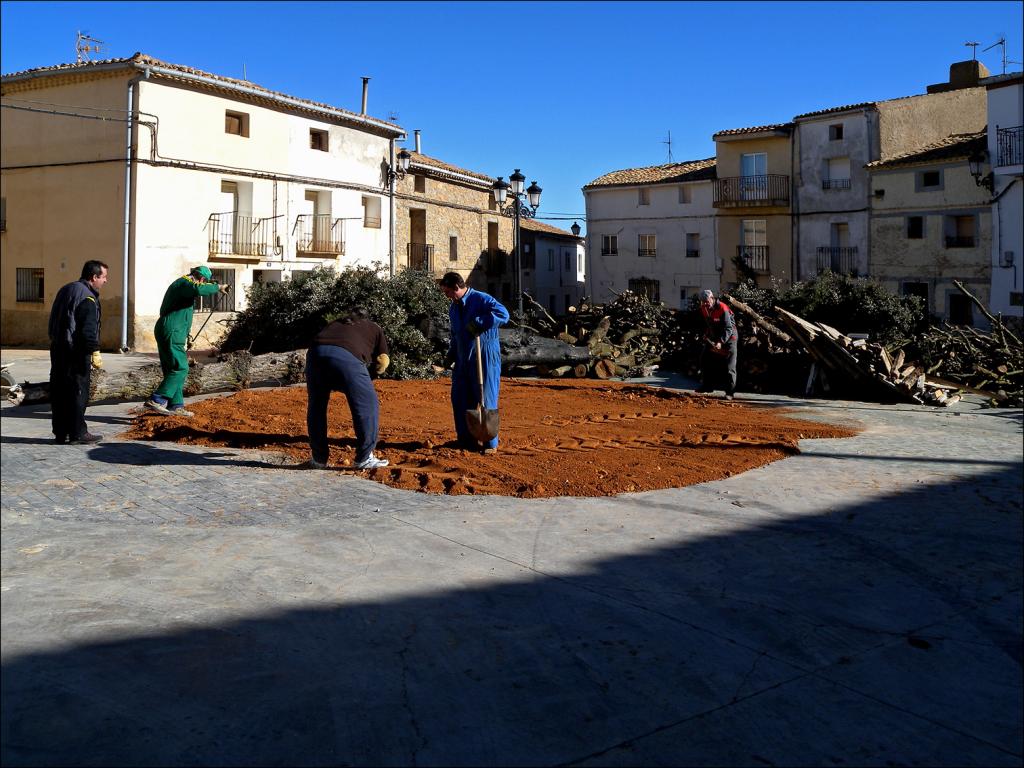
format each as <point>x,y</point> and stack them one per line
<point>976,163</point>
<point>575,228</point>
<point>404,158</point>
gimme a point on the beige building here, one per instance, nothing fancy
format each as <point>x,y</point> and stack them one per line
<point>752,204</point>
<point>155,167</point>
<point>931,224</point>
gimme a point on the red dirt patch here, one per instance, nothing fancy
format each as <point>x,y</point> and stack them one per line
<point>583,438</point>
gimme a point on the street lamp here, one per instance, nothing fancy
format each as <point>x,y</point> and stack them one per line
<point>575,229</point>
<point>519,206</point>
<point>976,164</point>
<point>404,158</point>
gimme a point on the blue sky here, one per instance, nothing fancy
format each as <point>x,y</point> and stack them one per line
<point>566,91</point>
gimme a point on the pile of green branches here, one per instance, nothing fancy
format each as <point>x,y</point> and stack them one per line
<point>282,316</point>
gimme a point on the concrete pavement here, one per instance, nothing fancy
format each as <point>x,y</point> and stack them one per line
<point>858,604</point>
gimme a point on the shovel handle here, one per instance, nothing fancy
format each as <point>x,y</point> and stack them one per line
<point>480,370</point>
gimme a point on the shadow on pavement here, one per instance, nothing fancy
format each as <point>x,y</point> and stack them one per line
<point>884,633</point>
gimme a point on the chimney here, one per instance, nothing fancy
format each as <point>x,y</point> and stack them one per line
<point>416,133</point>
<point>366,85</point>
<point>962,74</point>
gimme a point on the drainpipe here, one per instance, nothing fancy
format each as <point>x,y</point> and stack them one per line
<point>129,174</point>
<point>391,206</point>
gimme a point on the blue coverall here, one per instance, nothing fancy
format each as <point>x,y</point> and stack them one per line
<point>488,313</point>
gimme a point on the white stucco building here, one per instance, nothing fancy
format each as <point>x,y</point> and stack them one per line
<point>154,168</point>
<point>558,278</point>
<point>1005,156</point>
<point>652,230</point>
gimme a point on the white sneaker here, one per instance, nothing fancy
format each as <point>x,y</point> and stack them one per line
<point>372,462</point>
<point>153,405</point>
<point>183,411</point>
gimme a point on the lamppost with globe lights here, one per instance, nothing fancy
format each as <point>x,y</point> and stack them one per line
<point>519,206</point>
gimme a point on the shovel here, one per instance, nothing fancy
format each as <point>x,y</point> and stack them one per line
<point>482,423</point>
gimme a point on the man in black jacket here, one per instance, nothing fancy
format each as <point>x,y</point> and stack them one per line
<point>74,352</point>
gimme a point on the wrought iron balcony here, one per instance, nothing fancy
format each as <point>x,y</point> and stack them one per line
<point>842,261</point>
<point>835,183</point>
<point>754,256</point>
<point>609,252</point>
<point>231,234</point>
<point>751,191</point>
<point>319,234</point>
<point>1008,146</point>
<point>959,241</point>
<point>420,257</point>
<point>649,252</point>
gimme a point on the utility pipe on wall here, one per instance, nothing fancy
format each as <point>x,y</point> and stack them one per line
<point>391,206</point>
<point>133,87</point>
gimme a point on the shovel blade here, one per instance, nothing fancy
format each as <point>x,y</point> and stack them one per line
<point>483,423</point>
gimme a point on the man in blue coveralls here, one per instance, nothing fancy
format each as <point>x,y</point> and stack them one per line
<point>473,314</point>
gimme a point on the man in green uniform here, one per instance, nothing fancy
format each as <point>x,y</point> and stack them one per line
<point>172,332</point>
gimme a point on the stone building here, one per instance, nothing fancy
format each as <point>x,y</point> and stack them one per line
<point>931,224</point>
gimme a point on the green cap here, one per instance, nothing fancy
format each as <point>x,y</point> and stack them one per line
<point>204,272</point>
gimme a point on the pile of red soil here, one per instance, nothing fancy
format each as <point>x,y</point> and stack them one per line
<point>578,438</point>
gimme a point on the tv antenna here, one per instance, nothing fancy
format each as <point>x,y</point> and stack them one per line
<point>392,116</point>
<point>669,143</point>
<point>974,49</point>
<point>83,49</point>
<point>1001,42</point>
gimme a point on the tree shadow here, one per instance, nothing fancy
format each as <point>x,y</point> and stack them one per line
<point>881,633</point>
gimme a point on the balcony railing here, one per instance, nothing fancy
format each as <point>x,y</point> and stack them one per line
<point>754,256</point>
<point>319,233</point>
<point>959,241</point>
<point>421,257</point>
<point>692,254</point>
<point>231,234</point>
<point>740,191</point>
<point>835,183</point>
<point>1008,146</point>
<point>609,252</point>
<point>649,252</point>
<point>842,261</point>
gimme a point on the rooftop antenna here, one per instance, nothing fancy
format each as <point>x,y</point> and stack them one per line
<point>392,116</point>
<point>1001,42</point>
<point>83,49</point>
<point>974,49</point>
<point>669,142</point>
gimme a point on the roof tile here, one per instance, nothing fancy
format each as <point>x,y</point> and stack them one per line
<point>958,145</point>
<point>688,170</point>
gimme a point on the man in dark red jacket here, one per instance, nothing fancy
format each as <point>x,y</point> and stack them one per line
<point>718,358</point>
<point>74,352</point>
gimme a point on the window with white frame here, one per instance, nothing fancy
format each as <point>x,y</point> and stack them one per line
<point>692,245</point>
<point>648,246</point>
<point>837,173</point>
<point>371,212</point>
<point>609,245</point>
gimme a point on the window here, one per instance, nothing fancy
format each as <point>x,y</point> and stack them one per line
<point>30,284</point>
<point>837,173</point>
<point>649,288</point>
<point>692,245</point>
<point>915,227</point>
<point>453,248</point>
<point>959,231</point>
<point>609,245</point>
<point>685,292</point>
<point>927,181</point>
<point>419,183</point>
<point>3,214</point>
<point>916,289</point>
<point>528,257</point>
<point>1016,299</point>
<point>648,246</point>
<point>318,139</point>
<point>835,132</point>
<point>684,194</point>
<point>644,197</point>
<point>568,264</point>
<point>492,204</point>
<point>219,302</point>
<point>236,123</point>
<point>371,212</point>
<point>551,259</point>
<point>960,309</point>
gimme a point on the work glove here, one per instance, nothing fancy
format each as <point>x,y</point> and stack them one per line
<point>96,359</point>
<point>474,328</point>
<point>383,361</point>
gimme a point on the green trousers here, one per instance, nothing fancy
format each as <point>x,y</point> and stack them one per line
<point>170,342</point>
